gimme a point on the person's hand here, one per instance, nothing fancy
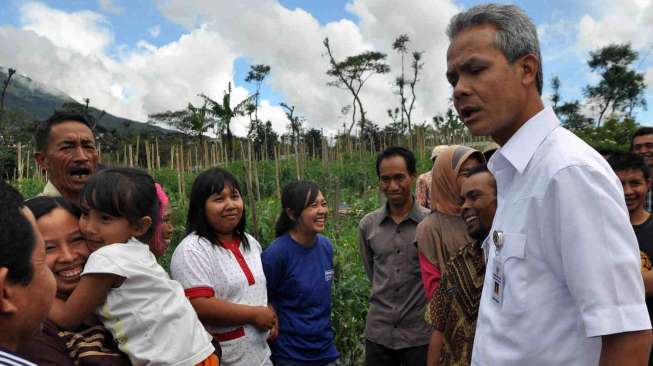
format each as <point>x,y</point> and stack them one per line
<point>274,331</point>
<point>264,318</point>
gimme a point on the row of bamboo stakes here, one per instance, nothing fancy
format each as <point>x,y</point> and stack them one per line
<point>195,157</point>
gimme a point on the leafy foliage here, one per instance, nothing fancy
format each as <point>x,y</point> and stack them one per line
<point>621,88</point>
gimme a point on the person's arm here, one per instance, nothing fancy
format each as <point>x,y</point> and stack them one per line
<point>597,255</point>
<point>626,349</point>
<point>435,348</point>
<point>647,277</point>
<point>219,312</point>
<point>90,293</point>
<point>367,257</point>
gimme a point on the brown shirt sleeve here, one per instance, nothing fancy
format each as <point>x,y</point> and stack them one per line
<point>46,348</point>
<point>439,307</point>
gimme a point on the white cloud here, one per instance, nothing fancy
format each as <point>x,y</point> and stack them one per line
<point>290,41</point>
<point>154,31</point>
<point>142,81</point>
<point>110,6</point>
<point>648,78</point>
<point>85,31</point>
<point>70,51</point>
<point>617,22</point>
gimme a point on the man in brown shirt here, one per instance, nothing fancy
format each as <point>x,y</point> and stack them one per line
<point>396,333</point>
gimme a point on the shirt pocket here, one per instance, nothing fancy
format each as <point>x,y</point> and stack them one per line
<point>515,273</point>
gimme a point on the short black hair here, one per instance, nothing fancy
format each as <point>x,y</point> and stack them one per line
<point>642,131</point>
<point>406,154</point>
<point>17,238</point>
<point>123,192</point>
<point>478,169</point>
<point>43,128</point>
<point>296,196</point>
<point>625,161</point>
<point>43,205</point>
<point>207,183</point>
<point>481,168</point>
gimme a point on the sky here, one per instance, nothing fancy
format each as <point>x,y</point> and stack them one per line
<point>133,58</point>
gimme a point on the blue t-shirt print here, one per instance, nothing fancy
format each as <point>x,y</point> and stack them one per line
<point>299,282</point>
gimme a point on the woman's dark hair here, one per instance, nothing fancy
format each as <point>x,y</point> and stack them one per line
<point>123,192</point>
<point>43,205</point>
<point>210,182</point>
<point>296,196</point>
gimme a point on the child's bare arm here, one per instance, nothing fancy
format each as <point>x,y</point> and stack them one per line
<point>90,293</point>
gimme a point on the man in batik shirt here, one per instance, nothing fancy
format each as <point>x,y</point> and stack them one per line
<point>453,310</point>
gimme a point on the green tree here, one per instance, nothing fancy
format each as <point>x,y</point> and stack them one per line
<point>295,124</point>
<point>224,114</point>
<point>192,120</point>
<point>352,73</point>
<point>5,85</point>
<point>449,127</point>
<point>257,74</point>
<point>399,45</point>
<point>569,113</point>
<point>621,87</point>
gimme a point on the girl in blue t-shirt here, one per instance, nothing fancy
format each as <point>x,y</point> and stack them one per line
<point>298,266</point>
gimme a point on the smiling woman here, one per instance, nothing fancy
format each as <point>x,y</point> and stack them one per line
<point>298,267</point>
<point>66,253</point>
<point>219,266</point>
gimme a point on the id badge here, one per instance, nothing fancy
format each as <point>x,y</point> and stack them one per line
<point>497,281</point>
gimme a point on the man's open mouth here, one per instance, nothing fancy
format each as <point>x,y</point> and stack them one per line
<point>80,173</point>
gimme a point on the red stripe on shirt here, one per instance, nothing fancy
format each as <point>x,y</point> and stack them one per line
<point>234,247</point>
<point>195,292</point>
<point>230,335</point>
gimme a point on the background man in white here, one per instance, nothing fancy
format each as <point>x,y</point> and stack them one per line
<point>562,284</point>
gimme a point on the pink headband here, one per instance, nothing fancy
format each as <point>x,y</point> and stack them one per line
<point>158,245</point>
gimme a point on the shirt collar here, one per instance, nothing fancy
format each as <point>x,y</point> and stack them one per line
<point>50,190</point>
<point>521,147</point>
<point>415,213</point>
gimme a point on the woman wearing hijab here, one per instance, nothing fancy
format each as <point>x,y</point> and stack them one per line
<point>443,232</point>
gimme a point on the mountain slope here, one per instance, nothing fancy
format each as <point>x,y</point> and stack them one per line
<point>33,100</point>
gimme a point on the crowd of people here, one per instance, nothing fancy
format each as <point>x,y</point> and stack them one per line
<point>534,252</point>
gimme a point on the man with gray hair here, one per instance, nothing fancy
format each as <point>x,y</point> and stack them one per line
<point>563,283</point>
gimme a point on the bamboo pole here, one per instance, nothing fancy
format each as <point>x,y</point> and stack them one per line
<point>277,172</point>
<point>256,182</point>
<point>148,160</point>
<point>158,154</point>
<point>250,193</point>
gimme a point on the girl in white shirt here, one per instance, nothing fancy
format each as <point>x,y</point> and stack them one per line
<point>219,266</point>
<point>122,283</point>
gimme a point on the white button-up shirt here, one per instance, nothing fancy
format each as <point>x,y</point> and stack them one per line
<point>569,256</point>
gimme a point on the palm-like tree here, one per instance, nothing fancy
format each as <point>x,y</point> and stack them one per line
<point>224,113</point>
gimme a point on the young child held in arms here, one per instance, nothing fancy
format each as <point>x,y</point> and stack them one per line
<point>122,283</point>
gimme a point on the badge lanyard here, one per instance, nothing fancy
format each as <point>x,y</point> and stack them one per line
<point>497,273</point>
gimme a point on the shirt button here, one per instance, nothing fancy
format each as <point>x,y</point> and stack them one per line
<point>397,289</point>
<point>397,270</point>
<point>398,251</point>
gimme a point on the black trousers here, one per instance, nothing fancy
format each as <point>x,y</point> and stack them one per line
<point>378,355</point>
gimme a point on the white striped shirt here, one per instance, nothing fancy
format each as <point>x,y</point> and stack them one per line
<point>9,359</point>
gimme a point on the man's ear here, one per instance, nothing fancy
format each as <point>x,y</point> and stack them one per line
<point>529,66</point>
<point>7,307</point>
<point>142,226</point>
<point>41,159</point>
